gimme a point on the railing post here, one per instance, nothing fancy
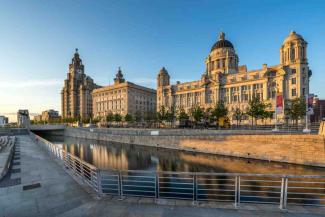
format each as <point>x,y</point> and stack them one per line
<point>284,193</point>
<point>237,191</point>
<point>120,178</point>
<point>194,189</point>
<point>157,186</point>
<point>99,182</point>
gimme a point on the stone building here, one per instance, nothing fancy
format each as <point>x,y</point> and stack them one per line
<point>319,110</point>
<point>48,115</point>
<point>76,100</point>
<point>3,120</point>
<point>23,119</point>
<point>224,79</point>
<point>123,98</point>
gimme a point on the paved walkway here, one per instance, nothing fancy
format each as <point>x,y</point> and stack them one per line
<point>60,195</point>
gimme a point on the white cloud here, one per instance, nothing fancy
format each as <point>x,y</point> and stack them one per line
<point>30,83</point>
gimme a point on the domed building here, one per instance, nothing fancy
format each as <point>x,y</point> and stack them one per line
<point>224,79</point>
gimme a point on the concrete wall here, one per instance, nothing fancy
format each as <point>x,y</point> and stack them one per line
<point>298,149</point>
<point>13,131</point>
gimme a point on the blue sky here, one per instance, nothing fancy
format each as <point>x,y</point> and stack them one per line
<point>38,39</point>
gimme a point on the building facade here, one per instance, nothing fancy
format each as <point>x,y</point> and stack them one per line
<point>123,98</point>
<point>224,79</point>
<point>319,110</point>
<point>48,115</point>
<point>3,120</point>
<point>76,99</point>
<point>23,119</point>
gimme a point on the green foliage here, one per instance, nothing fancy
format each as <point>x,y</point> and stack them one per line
<point>181,115</point>
<point>150,116</point>
<point>197,113</point>
<point>128,118</point>
<point>110,117</point>
<point>117,117</point>
<point>295,108</point>
<point>85,120</point>
<point>219,111</point>
<point>238,114</point>
<point>138,116</point>
<point>69,120</point>
<point>96,120</point>
<point>170,115</point>
<point>268,115</point>
<point>161,114</point>
<point>257,109</point>
<point>165,115</point>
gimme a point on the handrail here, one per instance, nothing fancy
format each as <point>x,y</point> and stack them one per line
<point>88,173</point>
<point>84,162</point>
<point>281,189</point>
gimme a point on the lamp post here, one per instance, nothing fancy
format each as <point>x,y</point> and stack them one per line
<point>276,129</point>
<point>308,111</point>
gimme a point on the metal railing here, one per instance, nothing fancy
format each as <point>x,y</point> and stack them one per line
<point>238,188</point>
<point>80,168</point>
<point>219,187</point>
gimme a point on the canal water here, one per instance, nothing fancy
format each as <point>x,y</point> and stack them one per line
<point>116,156</point>
<point>110,155</point>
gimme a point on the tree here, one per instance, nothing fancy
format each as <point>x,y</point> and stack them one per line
<point>295,108</point>
<point>161,114</point>
<point>181,115</point>
<point>150,117</point>
<point>207,115</point>
<point>96,119</point>
<point>138,116</point>
<point>128,118</point>
<point>256,109</point>
<point>85,120</point>
<point>219,111</point>
<point>197,113</point>
<point>267,115</point>
<point>238,114</point>
<point>110,117</point>
<point>117,117</point>
<point>170,115</point>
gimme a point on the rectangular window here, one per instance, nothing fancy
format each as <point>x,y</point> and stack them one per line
<point>293,71</point>
<point>293,80</point>
<point>293,92</point>
<point>303,91</point>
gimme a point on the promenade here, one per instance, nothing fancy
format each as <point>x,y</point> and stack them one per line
<point>38,186</point>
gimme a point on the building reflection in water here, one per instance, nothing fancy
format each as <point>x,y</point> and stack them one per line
<point>108,155</point>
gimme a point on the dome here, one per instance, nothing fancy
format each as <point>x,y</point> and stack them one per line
<point>222,43</point>
<point>292,37</point>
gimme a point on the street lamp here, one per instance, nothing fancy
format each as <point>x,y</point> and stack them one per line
<point>275,129</point>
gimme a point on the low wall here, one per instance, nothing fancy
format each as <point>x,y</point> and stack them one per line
<point>298,149</point>
<point>6,157</point>
<point>13,131</point>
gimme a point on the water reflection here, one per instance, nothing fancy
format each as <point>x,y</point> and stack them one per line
<point>108,155</point>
